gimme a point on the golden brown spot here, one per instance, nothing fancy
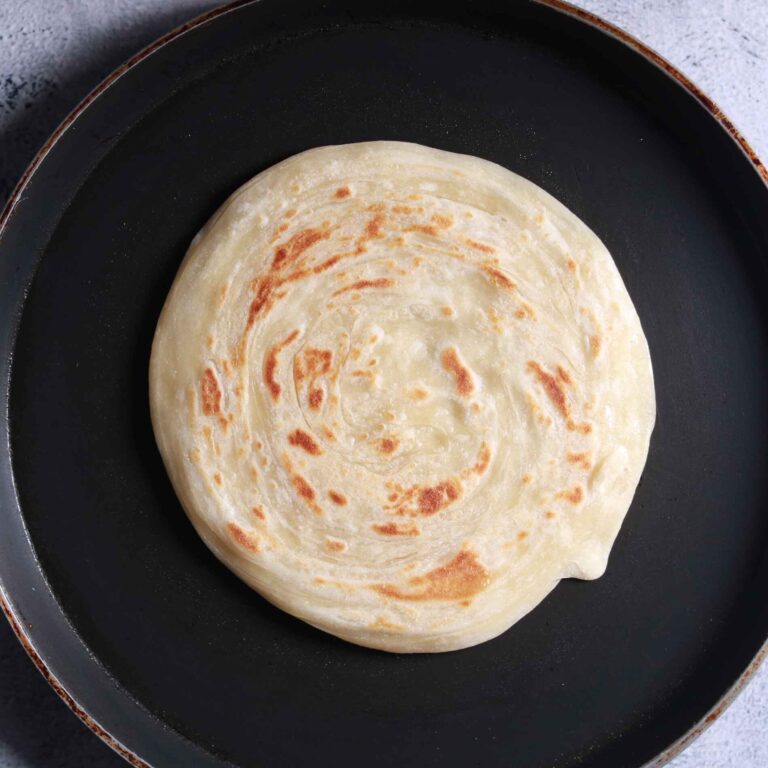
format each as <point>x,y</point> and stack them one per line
<point>585,427</point>
<point>333,583</point>
<point>270,364</point>
<point>335,545</point>
<point>327,264</point>
<point>444,222</point>
<point>483,460</point>
<point>302,440</point>
<point>242,538</point>
<point>328,433</point>
<point>317,362</point>
<point>595,340</point>
<point>388,444</point>
<point>217,478</point>
<point>537,412</point>
<point>479,246</point>
<point>210,393</point>
<point>209,340</point>
<point>526,479</point>
<point>418,394</point>
<point>279,231</point>
<point>460,579</point>
<point>574,495</point>
<point>403,209</point>
<point>342,192</point>
<point>303,488</point>
<point>550,515</point>
<point>452,364</point>
<point>571,264</point>
<point>259,512</point>
<point>525,311</point>
<point>265,289</point>
<point>437,497</point>
<point>290,251</point>
<point>393,529</point>
<point>553,387</point>
<point>379,282</point>
<point>582,460</point>
<point>223,293</point>
<point>414,197</point>
<point>315,398</point>
<point>362,374</point>
<point>337,498</point>
<point>447,311</point>
<point>499,279</point>
<point>382,623</point>
<point>373,227</point>
<point>428,500</point>
<point>425,229</point>
<point>522,535</point>
<point>495,320</point>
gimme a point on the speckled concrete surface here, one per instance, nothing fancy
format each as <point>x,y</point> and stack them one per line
<point>52,52</point>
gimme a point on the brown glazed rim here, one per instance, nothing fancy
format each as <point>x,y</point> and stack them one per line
<point>559,5</point>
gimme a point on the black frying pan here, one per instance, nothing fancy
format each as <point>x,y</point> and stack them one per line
<point>102,574</point>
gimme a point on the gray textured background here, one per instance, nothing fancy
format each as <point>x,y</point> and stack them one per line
<point>52,52</point>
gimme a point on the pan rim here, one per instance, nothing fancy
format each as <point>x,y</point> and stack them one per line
<point>561,6</point>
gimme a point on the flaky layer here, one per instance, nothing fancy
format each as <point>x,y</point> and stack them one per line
<point>401,393</point>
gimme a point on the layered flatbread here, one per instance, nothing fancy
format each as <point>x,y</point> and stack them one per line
<point>401,393</point>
